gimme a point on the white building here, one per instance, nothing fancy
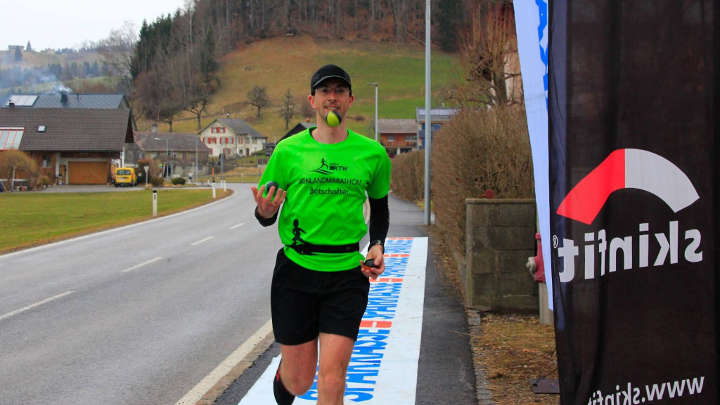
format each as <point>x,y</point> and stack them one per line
<point>232,137</point>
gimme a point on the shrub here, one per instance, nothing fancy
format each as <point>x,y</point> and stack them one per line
<point>408,175</point>
<point>153,171</point>
<point>178,180</point>
<point>477,154</point>
<point>157,181</point>
<point>43,180</point>
<point>16,164</point>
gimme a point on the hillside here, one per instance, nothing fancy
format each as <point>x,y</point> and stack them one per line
<point>284,63</point>
<point>32,74</point>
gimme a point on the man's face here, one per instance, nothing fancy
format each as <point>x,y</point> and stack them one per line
<point>332,94</point>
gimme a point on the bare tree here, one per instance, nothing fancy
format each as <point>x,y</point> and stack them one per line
<point>287,108</point>
<point>13,162</point>
<point>487,49</point>
<point>371,18</point>
<point>400,10</point>
<point>116,52</point>
<point>156,92</point>
<point>306,110</point>
<point>257,97</point>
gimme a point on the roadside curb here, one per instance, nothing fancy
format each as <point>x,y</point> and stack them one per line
<point>482,392</point>
<point>210,388</point>
<point>224,383</point>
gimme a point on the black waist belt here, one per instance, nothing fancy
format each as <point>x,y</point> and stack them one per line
<point>311,248</point>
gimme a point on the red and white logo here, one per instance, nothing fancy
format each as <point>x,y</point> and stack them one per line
<point>633,169</point>
<point>628,168</point>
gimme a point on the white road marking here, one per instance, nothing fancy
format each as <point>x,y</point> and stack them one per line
<point>202,241</point>
<point>35,305</point>
<point>195,394</point>
<point>145,263</point>
<point>238,225</point>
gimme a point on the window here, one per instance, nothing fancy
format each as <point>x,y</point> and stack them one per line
<point>10,138</point>
<point>45,161</point>
<point>391,138</point>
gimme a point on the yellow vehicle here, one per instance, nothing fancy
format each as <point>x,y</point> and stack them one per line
<point>125,176</point>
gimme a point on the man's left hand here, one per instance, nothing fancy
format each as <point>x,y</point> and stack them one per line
<point>375,253</point>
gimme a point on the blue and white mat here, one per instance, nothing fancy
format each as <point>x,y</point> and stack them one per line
<point>384,363</point>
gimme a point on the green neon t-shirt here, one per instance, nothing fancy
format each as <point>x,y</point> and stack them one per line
<point>326,187</point>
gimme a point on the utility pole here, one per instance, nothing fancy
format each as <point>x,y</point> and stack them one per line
<point>376,109</point>
<point>428,119</point>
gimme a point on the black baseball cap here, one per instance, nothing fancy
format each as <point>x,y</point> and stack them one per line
<point>329,72</point>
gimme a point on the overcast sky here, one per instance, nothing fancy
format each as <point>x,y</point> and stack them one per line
<point>69,23</point>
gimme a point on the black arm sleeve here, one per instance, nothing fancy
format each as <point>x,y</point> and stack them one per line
<point>379,218</point>
<point>266,221</point>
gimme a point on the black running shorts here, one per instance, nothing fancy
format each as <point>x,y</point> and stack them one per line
<point>305,302</point>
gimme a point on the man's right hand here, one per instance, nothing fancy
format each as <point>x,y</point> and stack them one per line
<point>268,205</point>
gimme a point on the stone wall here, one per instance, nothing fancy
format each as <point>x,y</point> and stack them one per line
<point>499,239</point>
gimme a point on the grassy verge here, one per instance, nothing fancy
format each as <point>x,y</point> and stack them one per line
<point>35,218</point>
<point>513,349</point>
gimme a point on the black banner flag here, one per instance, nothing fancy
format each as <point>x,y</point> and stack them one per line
<point>633,106</point>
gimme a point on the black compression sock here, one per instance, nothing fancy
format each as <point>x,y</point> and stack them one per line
<point>282,395</point>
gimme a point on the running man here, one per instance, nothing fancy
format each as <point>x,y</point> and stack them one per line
<point>320,287</point>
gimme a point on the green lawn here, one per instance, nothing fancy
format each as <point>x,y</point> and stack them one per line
<point>30,219</point>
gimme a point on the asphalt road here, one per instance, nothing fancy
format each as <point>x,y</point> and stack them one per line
<point>137,315</point>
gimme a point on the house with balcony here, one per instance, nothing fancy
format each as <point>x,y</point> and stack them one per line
<point>232,137</point>
<point>398,135</point>
<point>178,152</point>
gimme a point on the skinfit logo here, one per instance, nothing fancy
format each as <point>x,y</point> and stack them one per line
<point>628,169</point>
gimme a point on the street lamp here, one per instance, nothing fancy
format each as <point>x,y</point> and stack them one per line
<point>428,116</point>
<point>167,155</point>
<point>376,109</point>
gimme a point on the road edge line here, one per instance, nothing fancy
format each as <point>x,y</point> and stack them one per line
<point>209,389</point>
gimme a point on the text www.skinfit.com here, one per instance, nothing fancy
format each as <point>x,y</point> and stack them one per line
<point>631,395</point>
